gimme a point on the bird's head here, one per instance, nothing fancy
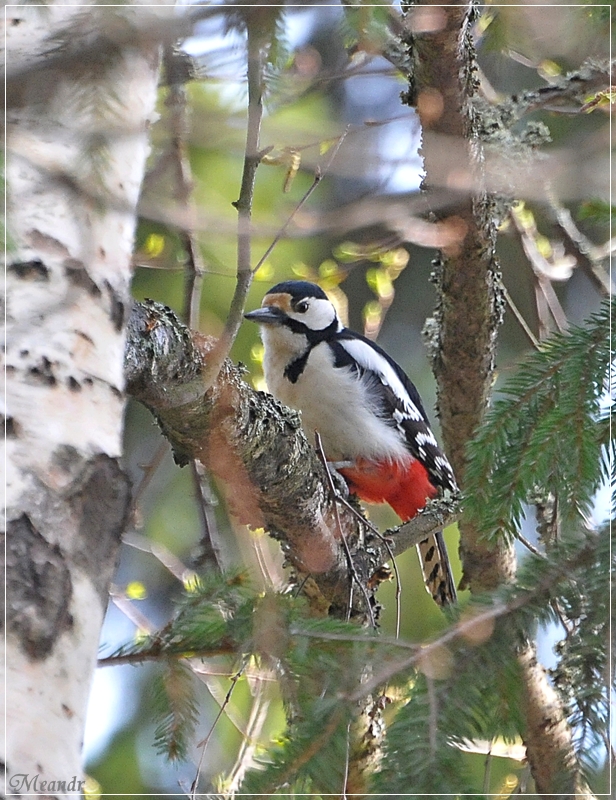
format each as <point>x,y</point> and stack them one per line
<point>300,308</point>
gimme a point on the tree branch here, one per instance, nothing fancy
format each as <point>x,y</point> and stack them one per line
<point>462,338</point>
<point>252,159</point>
<point>271,475</point>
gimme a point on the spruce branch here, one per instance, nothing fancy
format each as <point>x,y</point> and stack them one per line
<point>477,680</point>
<point>175,708</point>
<point>544,433</point>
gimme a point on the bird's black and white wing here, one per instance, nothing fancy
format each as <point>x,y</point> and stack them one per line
<point>399,401</point>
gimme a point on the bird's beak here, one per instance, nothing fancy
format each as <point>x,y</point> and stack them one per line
<point>268,315</point>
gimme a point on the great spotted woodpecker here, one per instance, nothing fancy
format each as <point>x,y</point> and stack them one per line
<point>368,413</point>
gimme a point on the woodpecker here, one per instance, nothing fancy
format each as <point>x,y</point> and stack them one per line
<point>368,413</point>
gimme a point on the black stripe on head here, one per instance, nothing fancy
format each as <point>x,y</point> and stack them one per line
<point>298,289</point>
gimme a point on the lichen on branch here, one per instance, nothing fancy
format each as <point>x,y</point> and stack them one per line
<point>255,447</point>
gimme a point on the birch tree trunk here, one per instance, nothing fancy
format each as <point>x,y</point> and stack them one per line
<point>79,105</point>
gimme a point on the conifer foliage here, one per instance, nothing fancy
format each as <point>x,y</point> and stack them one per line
<point>547,434</point>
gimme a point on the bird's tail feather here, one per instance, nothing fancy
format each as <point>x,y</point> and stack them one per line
<point>437,569</point>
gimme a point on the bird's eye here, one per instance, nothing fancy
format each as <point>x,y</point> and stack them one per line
<point>302,306</point>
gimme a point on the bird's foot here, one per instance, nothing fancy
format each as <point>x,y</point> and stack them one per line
<point>334,467</point>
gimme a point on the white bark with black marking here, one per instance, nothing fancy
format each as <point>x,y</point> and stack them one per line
<point>77,144</point>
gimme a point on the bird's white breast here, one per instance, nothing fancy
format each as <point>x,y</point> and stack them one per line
<point>333,401</point>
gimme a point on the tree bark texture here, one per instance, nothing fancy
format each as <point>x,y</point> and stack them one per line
<point>255,447</point>
<point>548,739</point>
<point>462,335</point>
<point>76,150</point>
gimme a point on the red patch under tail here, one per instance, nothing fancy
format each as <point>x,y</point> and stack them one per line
<point>404,485</point>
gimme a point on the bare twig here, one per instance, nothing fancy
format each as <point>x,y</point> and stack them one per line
<point>354,576</point>
<point>530,546</point>
<point>589,256</point>
<point>433,716</point>
<point>243,204</point>
<point>177,76</point>
<point>553,303</point>
<point>170,561</point>
<point>487,771</point>
<point>149,470</point>
<point>386,544</point>
<point>256,720</point>
<point>318,177</point>
<point>121,601</point>
<point>210,552</point>
<point>175,67</point>
<point>345,781</point>
<point>204,742</point>
<point>214,687</point>
<point>544,270</point>
<point>518,315</point>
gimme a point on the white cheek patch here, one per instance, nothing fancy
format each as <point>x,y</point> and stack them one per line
<point>319,315</point>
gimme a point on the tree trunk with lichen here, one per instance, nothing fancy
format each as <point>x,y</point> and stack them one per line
<point>462,334</point>
<point>74,170</point>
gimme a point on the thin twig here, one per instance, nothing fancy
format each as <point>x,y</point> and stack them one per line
<point>318,177</point>
<point>433,716</point>
<point>149,470</point>
<point>518,315</point>
<point>204,742</point>
<point>345,544</point>
<point>193,265</point>
<point>347,759</point>
<point>589,256</point>
<point>543,270</point>
<point>121,601</point>
<point>176,103</point>
<point>556,309</point>
<point>161,553</point>
<point>252,158</point>
<point>210,552</point>
<point>245,272</point>
<point>530,546</point>
<point>567,627</point>
<point>487,770</point>
<point>318,743</point>
<point>542,308</point>
<point>254,728</point>
<point>385,542</point>
<point>214,687</point>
